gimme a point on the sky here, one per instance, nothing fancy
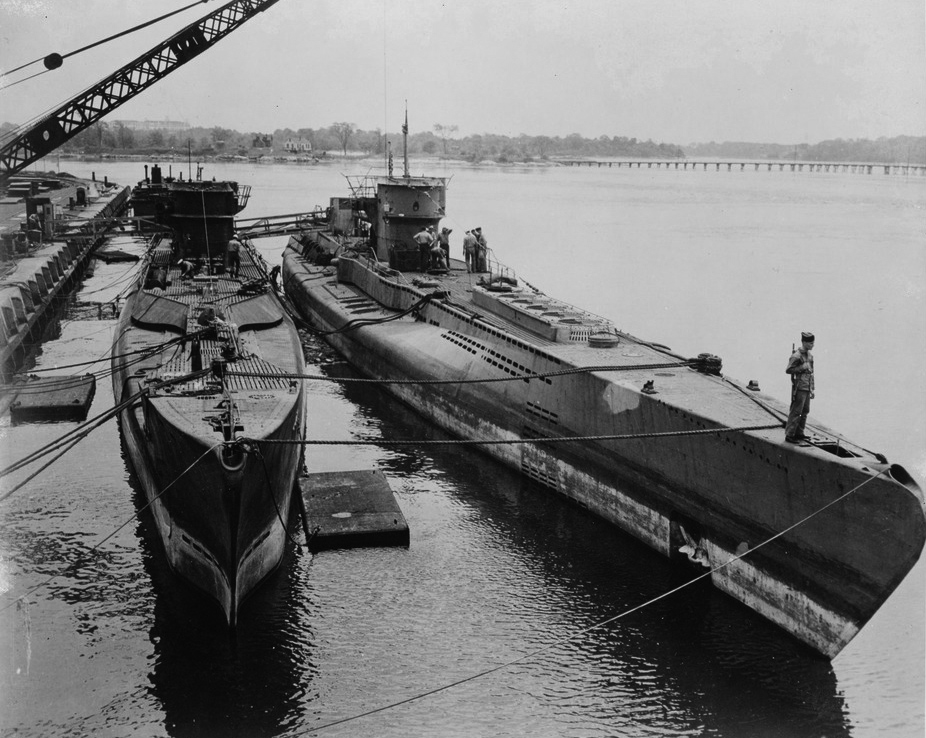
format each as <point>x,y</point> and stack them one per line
<point>686,71</point>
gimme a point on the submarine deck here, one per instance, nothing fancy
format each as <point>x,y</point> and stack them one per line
<point>727,402</point>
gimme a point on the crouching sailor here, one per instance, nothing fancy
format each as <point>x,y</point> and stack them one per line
<point>800,367</point>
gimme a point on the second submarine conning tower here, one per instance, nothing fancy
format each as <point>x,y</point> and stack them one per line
<point>405,205</point>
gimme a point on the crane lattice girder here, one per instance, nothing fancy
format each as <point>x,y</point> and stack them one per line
<point>43,137</point>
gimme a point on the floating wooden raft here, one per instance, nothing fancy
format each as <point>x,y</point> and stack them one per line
<point>352,509</point>
<point>52,398</point>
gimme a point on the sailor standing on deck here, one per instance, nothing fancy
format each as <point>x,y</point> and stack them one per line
<point>234,256</point>
<point>800,367</point>
<point>482,250</point>
<point>444,240</point>
<point>469,251</point>
<point>423,238</point>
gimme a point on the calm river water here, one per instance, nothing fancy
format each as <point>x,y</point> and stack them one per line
<point>736,264</point>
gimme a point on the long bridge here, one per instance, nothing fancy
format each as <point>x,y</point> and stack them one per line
<point>753,165</point>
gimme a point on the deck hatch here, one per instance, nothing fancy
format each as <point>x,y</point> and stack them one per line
<point>157,311</point>
<point>262,311</point>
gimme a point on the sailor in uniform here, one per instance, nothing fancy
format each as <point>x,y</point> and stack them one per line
<point>800,367</point>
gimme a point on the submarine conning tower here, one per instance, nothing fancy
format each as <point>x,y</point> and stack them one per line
<point>199,212</point>
<point>405,205</point>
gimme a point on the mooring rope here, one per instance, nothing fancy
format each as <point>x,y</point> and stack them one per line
<point>536,652</point>
<point>156,348</point>
<point>508,441</point>
<point>596,626</point>
<point>67,446</point>
<point>74,380</point>
<point>600,624</point>
<point>512,378</point>
<point>99,543</point>
<point>270,490</point>
<point>81,431</point>
<point>97,421</point>
<point>360,322</point>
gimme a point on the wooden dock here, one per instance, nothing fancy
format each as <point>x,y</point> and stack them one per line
<point>352,509</point>
<point>38,267</point>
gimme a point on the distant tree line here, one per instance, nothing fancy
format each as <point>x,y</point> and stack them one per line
<point>117,138</point>
<point>526,148</point>
<point>346,138</point>
<point>896,150</point>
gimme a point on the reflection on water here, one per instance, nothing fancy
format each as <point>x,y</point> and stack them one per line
<point>498,567</point>
<point>210,681</point>
<point>692,659</point>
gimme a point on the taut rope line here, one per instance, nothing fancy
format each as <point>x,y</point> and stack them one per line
<point>99,543</point>
<point>509,441</point>
<point>596,626</point>
<point>482,380</point>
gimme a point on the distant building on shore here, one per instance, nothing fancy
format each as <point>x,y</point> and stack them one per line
<point>297,145</point>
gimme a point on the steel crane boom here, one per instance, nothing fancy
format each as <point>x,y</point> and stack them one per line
<point>38,139</point>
